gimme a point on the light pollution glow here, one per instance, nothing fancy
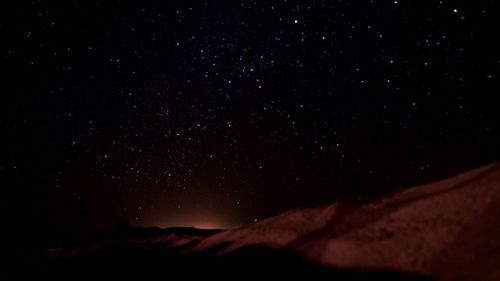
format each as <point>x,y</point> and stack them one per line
<point>202,220</point>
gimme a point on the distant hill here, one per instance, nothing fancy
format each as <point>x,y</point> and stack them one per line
<point>449,230</point>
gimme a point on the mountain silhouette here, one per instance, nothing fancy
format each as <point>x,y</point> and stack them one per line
<point>446,230</point>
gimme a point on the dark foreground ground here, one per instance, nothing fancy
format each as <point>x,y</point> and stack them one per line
<point>133,254</point>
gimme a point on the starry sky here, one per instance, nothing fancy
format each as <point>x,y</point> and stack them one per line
<point>218,113</point>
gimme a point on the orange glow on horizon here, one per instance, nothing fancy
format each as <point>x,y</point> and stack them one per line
<point>201,220</point>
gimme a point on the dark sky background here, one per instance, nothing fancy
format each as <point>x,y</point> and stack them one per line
<point>219,113</point>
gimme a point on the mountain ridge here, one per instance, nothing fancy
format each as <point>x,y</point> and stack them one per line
<point>412,230</point>
<point>445,230</point>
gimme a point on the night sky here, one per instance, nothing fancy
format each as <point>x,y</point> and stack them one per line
<point>218,113</point>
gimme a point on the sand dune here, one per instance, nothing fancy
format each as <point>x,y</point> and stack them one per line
<point>448,230</point>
